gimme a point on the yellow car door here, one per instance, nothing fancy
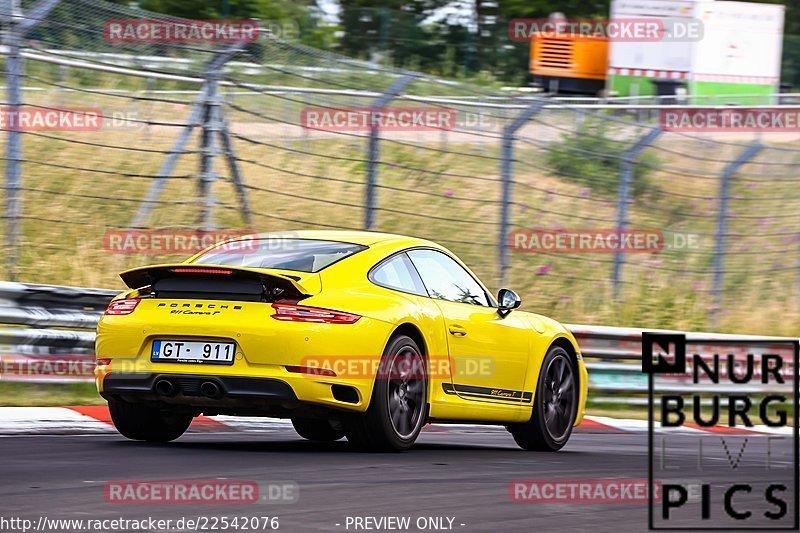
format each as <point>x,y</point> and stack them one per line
<point>488,353</point>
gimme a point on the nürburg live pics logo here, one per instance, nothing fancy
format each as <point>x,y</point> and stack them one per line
<point>722,432</point>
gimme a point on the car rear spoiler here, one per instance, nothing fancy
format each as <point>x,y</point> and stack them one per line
<point>137,278</point>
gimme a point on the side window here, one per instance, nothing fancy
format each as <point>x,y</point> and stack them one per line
<point>445,279</point>
<point>398,273</point>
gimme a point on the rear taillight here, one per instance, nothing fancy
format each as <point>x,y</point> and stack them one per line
<point>201,271</point>
<point>304,313</point>
<point>122,307</point>
<point>102,362</point>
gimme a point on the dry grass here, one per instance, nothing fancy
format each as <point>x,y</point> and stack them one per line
<point>444,189</point>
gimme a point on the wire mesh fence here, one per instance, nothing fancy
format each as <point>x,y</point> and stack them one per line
<point>217,136</point>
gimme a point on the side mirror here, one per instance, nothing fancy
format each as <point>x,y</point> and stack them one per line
<point>507,300</point>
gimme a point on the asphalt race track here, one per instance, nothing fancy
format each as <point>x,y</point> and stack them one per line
<point>462,474</point>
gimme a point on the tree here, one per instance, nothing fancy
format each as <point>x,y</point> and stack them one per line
<point>394,28</point>
<point>510,9</point>
<point>230,9</point>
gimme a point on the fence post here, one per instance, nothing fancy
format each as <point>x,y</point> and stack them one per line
<point>14,143</point>
<point>506,172</point>
<point>62,80</point>
<point>17,28</point>
<point>147,115</point>
<point>168,165</point>
<point>722,223</point>
<point>236,173</point>
<point>208,150</point>
<point>206,113</point>
<point>373,152</point>
<point>627,161</point>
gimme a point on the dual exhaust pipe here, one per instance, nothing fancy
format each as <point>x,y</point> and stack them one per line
<point>209,389</point>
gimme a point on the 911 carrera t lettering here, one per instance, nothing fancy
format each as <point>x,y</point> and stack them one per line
<point>484,392</point>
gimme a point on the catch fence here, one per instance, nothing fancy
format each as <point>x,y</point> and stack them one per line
<point>215,137</point>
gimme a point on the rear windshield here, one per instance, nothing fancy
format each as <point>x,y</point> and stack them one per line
<point>302,255</point>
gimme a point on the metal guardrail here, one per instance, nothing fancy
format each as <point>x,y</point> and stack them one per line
<point>47,335</point>
<point>615,353</point>
<point>47,331</point>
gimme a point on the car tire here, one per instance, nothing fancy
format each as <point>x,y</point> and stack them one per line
<point>555,405</point>
<point>143,422</point>
<point>398,406</point>
<point>317,429</point>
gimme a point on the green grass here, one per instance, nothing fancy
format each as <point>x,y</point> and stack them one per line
<point>446,188</point>
<point>48,394</point>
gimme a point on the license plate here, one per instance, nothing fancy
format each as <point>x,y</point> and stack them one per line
<point>193,352</point>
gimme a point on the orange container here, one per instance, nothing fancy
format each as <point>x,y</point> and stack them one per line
<point>569,63</point>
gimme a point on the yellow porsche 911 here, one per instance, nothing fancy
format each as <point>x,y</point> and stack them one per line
<point>361,335</point>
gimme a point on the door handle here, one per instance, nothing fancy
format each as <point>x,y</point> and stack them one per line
<point>458,331</point>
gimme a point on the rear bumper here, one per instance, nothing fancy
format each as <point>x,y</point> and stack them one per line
<point>278,396</point>
<point>188,385</point>
<point>207,394</point>
<point>263,371</point>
